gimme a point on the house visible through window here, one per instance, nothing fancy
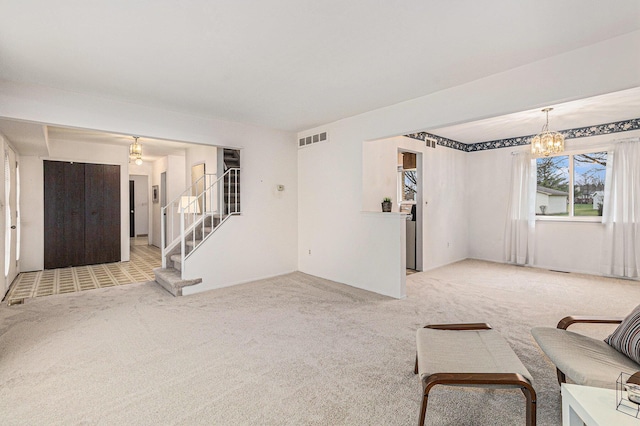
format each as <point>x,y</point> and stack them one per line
<point>571,185</point>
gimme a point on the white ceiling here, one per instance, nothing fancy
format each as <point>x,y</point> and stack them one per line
<point>289,64</point>
<point>32,139</point>
<point>152,149</point>
<point>27,138</point>
<point>609,108</point>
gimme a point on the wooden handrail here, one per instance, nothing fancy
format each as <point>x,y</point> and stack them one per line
<point>468,326</point>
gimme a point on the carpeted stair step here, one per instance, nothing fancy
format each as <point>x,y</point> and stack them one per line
<point>171,280</point>
<point>176,259</point>
<point>191,244</point>
<point>199,232</point>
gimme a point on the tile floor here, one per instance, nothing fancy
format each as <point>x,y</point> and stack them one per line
<point>80,278</point>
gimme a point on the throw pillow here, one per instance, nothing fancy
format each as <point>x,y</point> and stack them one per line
<point>626,338</point>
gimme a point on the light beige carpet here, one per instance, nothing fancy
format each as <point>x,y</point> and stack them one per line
<point>292,350</point>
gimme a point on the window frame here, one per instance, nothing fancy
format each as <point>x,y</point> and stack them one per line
<point>571,217</point>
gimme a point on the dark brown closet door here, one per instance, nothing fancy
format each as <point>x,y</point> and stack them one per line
<point>64,214</point>
<point>102,221</point>
<point>82,214</point>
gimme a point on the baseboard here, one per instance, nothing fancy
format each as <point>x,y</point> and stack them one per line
<point>445,264</point>
<point>187,291</point>
<point>556,269</point>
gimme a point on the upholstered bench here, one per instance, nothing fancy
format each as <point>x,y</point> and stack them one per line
<point>588,361</point>
<point>470,355</point>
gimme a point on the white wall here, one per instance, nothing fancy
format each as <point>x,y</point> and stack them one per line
<point>199,154</point>
<point>207,155</point>
<point>32,211</point>
<point>487,189</point>
<point>175,167</point>
<point>32,182</point>
<point>263,239</point>
<point>267,244</point>
<point>159,166</point>
<point>330,174</point>
<point>350,247</point>
<point>443,182</point>
<point>559,245</point>
<point>380,173</point>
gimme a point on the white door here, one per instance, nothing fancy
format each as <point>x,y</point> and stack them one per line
<point>11,216</point>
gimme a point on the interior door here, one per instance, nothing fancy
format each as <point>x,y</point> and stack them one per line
<point>132,209</point>
<point>64,213</point>
<point>102,214</point>
<point>11,215</point>
<point>81,214</point>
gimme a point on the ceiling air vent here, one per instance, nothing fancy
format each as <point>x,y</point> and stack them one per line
<point>431,143</point>
<point>308,140</point>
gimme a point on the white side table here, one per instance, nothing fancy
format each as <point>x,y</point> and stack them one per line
<point>592,406</point>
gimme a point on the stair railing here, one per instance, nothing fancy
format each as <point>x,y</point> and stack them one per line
<point>190,219</point>
<point>183,211</point>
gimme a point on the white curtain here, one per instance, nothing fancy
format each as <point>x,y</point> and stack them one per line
<point>621,214</point>
<point>519,232</point>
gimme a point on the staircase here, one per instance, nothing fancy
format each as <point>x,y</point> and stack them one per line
<point>191,218</point>
<point>232,187</point>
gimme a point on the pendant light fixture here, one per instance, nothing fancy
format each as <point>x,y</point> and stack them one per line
<point>135,151</point>
<point>547,142</point>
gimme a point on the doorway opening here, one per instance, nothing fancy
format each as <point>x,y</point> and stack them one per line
<point>139,208</point>
<point>410,200</point>
<point>132,211</point>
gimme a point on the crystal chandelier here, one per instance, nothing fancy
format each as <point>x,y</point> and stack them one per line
<point>135,151</point>
<point>547,143</point>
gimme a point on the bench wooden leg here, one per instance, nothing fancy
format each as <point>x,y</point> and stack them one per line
<point>561,377</point>
<point>530,395</point>
<point>423,409</point>
<point>475,379</point>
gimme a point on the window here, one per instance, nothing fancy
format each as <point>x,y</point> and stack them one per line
<point>407,189</point>
<point>571,185</point>
<point>409,185</point>
<point>407,178</point>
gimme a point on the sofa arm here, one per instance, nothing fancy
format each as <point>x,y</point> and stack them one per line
<point>573,319</point>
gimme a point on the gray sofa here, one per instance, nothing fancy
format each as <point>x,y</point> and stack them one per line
<point>584,360</point>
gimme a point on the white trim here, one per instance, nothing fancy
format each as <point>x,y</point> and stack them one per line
<point>590,219</point>
<point>387,214</point>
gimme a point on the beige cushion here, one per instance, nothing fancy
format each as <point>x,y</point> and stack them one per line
<point>584,360</point>
<point>626,338</point>
<point>466,351</point>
